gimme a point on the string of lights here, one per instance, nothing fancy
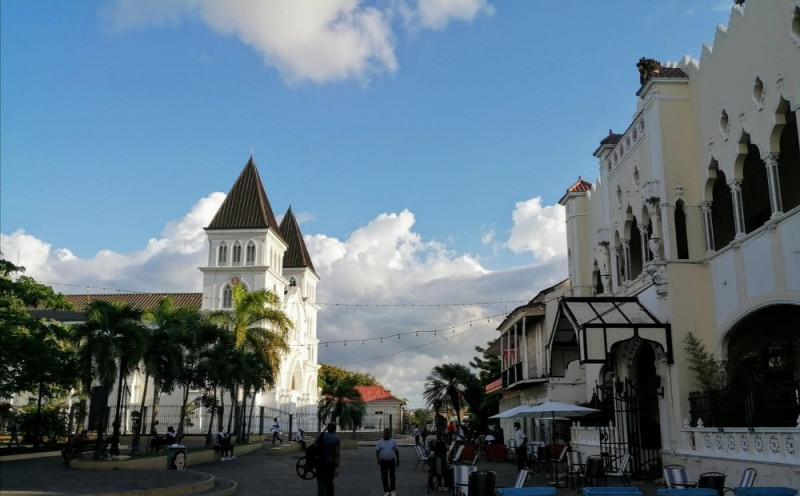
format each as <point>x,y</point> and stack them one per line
<point>444,338</point>
<point>451,329</point>
<point>330,304</point>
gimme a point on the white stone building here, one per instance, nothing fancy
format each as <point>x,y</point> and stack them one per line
<point>693,226</point>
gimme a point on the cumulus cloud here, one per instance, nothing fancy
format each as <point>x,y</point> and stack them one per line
<point>539,230</point>
<point>320,41</point>
<point>413,303</point>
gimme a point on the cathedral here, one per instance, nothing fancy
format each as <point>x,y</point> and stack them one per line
<point>248,246</point>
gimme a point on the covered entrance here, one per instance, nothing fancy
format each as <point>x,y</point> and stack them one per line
<point>626,343</point>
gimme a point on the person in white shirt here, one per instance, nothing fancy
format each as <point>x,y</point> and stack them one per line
<point>521,441</point>
<point>416,434</point>
<point>276,431</point>
<point>388,457</point>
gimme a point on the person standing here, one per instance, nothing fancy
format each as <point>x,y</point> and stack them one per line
<point>416,434</point>
<point>388,457</point>
<point>276,431</point>
<point>521,441</point>
<point>328,468</point>
<point>425,436</point>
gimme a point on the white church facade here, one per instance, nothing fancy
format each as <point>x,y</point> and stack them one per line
<point>248,246</point>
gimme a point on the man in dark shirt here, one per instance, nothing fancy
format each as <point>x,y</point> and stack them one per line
<point>329,466</point>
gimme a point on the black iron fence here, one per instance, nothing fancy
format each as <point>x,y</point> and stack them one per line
<point>771,405</point>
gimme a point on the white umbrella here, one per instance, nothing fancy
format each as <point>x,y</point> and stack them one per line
<point>513,412</point>
<point>552,409</point>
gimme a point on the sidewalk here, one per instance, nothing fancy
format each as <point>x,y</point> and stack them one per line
<point>257,473</point>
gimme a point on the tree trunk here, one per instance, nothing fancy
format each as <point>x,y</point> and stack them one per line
<point>183,410</point>
<point>117,421</point>
<point>213,414</point>
<point>38,429</point>
<point>242,437</point>
<point>250,417</point>
<point>138,430</point>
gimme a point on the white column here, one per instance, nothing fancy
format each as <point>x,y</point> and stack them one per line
<point>771,163</point>
<point>738,210</point>
<point>708,224</point>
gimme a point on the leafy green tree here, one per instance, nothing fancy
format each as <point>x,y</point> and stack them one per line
<point>710,373</point>
<point>37,356</point>
<point>453,384</point>
<point>341,402</point>
<point>489,369</point>
<point>331,374</point>
<point>111,344</point>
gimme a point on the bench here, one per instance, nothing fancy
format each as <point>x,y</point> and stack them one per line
<point>86,443</point>
<point>162,442</point>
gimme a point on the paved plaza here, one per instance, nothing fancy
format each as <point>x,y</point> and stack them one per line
<point>257,473</point>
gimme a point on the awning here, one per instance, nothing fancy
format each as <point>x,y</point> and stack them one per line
<point>599,322</point>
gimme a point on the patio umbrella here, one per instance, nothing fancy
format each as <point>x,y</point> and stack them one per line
<point>550,410</point>
<point>513,412</point>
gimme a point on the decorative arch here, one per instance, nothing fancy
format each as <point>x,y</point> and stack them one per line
<point>222,254</point>
<point>250,253</point>
<point>227,296</point>
<point>785,139</point>
<point>750,167</point>
<point>236,254</point>
<point>681,237</point>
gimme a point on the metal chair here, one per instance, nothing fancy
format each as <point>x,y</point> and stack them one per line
<point>620,471</point>
<point>712,480</point>
<point>747,480</point>
<point>676,477</point>
<point>574,467</point>
<point>594,472</point>
<point>511,450</point>
<point>422,456</point>
<point>461,479</point>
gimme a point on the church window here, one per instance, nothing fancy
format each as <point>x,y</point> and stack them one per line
<point>227,297</point>
<point>222,254</point>
<point>681,239</point>
<point>250,253</point>
<point>292,282</point>
<point>236,254</point>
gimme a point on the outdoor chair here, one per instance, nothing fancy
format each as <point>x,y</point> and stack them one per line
<point>543,458</point>
<point>461,479</point>
<point>620,471</point>
<point>511,450</point>
<point>594,472</point>
<point>422,456</point>
<point>747,480</point>
<point>574,467</point>
<point>712,480</point>
<point>676,477</point>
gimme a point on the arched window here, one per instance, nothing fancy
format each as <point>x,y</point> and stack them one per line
<point>227,296</point>
<point>597,280</point>
<point>789,160</point>
<point>236,254</point>
<point>250,253</point>
<point>722,212</point>
<point>635,247</point>
<point>681,240</point>
<point>222,254</point>
<point>755,190</point>
<point>292,282</point>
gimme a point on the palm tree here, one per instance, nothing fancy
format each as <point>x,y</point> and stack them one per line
<point>197,334</point>
<point>450,383</point>
<point>341,401</point>
<point>111,344</point>
<point>258,325</point>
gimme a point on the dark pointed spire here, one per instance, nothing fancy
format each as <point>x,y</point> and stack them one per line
<point>296,254</point>
<point>246,206</point>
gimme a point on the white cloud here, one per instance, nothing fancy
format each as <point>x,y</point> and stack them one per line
<point>384,279</point>
<point>540,230</point>
<point>437,14</point>
<point>320,41</point>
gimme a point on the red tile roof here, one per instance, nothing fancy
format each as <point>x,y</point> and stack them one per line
<point>141,301</point>
<point>580,186</point>
<point>375,393</point>
<point>611,139</point>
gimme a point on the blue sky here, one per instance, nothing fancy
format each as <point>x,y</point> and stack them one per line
<point>443,131</point>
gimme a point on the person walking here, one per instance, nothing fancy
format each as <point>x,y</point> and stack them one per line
<point>388,457</point>
<point>416,434</point>
<point>14,431</point>
<point>276,431</point>
<point>328,467</point>
<point>521,441</point>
